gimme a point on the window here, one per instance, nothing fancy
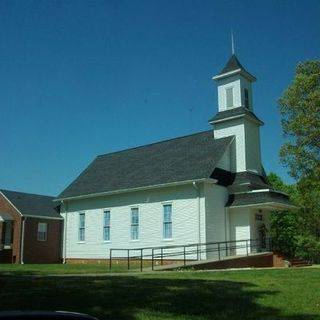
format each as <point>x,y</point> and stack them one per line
<point>42,231</point>
<point>134,223</point>
<point>82,225</point>
<point>167,221</point>
<point>246,98</point>
<point>106,225</point>
<point>229,97</point>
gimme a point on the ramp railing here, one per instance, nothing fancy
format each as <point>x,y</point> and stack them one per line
<point>160,255</point>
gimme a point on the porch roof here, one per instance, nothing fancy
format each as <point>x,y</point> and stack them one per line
<point>260,197</point>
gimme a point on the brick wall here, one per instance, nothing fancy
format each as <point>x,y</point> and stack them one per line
<point>48,251</point>
<point>6,207</point>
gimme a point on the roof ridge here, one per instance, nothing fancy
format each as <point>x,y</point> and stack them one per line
<point>27,193</point>
<point>154,143</point>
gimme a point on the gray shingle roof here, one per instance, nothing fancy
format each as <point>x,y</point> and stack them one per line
<point>241,184</point>
<point>240,111</point>
<point>232,65</point>
<point>243,199</point>
<point>180,159</point>
<point>32,204</point>
<point>248,181</point>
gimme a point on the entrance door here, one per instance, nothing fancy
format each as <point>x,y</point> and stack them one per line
<point>262,237</point>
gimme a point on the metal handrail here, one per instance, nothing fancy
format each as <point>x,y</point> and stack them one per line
<point>221,246</point>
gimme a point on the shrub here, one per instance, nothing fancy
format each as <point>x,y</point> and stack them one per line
<point>308,248</point>
<point>283,232</point>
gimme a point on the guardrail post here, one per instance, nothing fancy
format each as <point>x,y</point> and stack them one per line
<point>110,259</point>
<point>141,259</point>
<point>128,258</point>
<point>219,251</point>
<point>247,247</point>
<point>184,255</point>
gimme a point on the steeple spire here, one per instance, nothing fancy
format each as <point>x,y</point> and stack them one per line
<point>232,42</point>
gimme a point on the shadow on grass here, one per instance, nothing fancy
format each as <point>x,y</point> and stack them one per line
<point>129,297</point>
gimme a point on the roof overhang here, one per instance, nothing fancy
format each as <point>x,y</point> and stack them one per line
<point>121,191</point>
<point>242,72</point>
<point>266,205</point>
<point>260,198</point>
<point>257,121</point>
<point>42,217</point>
<point>5,217</point>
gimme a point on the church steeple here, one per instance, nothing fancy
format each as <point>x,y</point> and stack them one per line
<point>235,116</point>
<point>234,86</point>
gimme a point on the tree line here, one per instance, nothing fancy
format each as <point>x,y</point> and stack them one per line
<point>296,233</point>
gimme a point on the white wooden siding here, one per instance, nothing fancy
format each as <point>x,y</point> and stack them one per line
<point>185,221</point>
<point>234,128</point>
<point>215,199</point>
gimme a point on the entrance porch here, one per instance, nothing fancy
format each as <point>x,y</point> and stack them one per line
<point>252,222</point>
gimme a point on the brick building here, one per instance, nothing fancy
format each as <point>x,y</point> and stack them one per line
<point>30,228</point>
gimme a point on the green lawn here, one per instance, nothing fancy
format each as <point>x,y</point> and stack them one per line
<point>49,269</point>
<point>290,294</point>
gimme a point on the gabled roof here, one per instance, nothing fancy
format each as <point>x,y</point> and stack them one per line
<point>234,65</point>
<point>233,113</point>
<point>32,204</point>
<point>181,159</point>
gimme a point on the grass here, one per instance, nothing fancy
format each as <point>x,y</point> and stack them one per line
<point>50,269</point>
<point>287,294</point>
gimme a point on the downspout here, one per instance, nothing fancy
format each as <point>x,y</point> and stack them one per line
<point>22,239</point>
<point>226,225</point>
<point>194,184</point>
<point>65,232</point>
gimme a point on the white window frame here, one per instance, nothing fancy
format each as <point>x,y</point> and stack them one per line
<point>81,227</point>
<point>167,222</point>
<point>134,225</point>
<point>106,226</point>
<point>232,91</point>
<point>41,232</point>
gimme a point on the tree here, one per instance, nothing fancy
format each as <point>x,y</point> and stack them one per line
<point>300,111</point>
<point>284,229</point>
<point>299,232</point>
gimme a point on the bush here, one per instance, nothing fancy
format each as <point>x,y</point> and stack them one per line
<point>308,248</point>
<point>283,232</point>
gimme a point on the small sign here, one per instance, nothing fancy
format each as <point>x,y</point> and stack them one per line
<point>259,217</point>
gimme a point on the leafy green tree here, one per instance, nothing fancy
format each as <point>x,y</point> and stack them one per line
<point>284,224</point>
<point>300,111</point>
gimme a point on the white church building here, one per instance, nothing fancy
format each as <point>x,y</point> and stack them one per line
<point>205,187</point>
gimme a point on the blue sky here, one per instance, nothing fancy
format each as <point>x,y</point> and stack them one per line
<point>82,78</point>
